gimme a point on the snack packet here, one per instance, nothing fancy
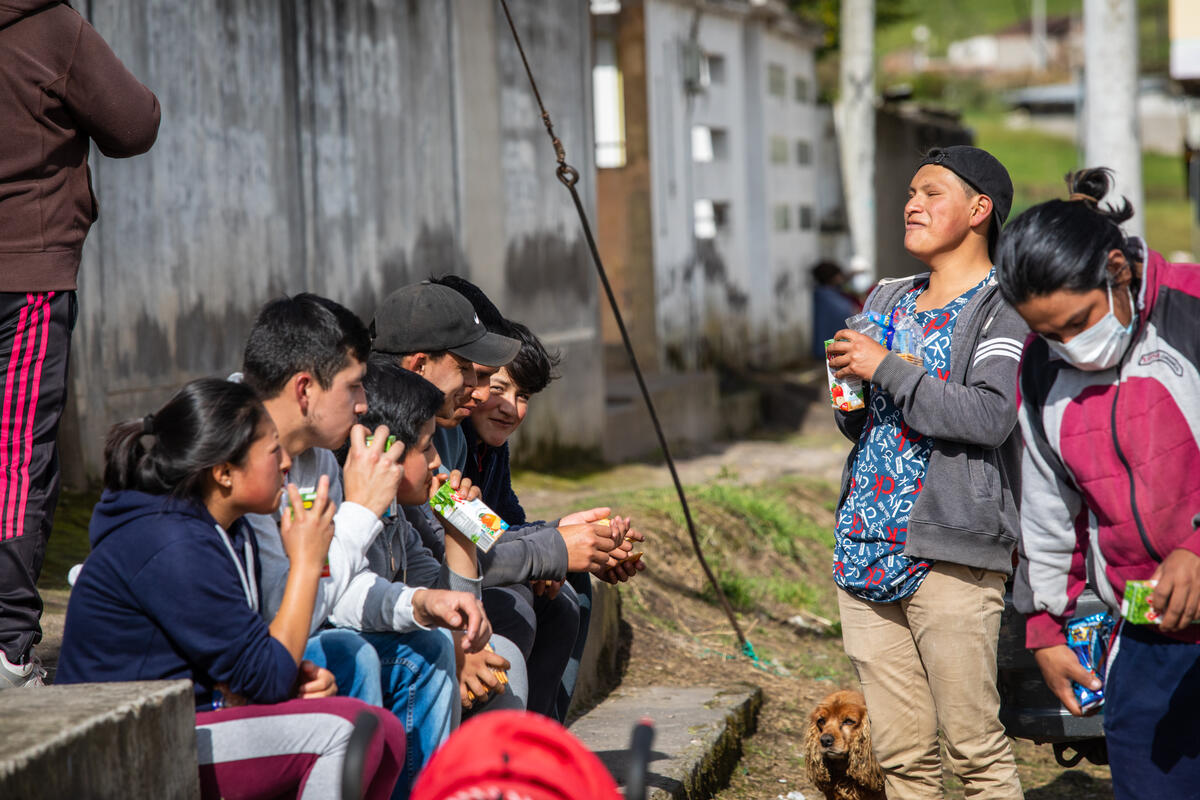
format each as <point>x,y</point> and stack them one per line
<point>907,339</point>
<point>472,518</point>
<point>1088,638</point>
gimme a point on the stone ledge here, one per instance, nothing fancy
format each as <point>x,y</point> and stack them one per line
<point>100,740</point>
<point>698,734</point>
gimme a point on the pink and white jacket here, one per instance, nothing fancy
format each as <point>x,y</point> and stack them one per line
<point>1111,468</point>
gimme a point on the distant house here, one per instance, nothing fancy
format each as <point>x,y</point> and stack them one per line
<point>706,129</point>
<point>1014,49</point>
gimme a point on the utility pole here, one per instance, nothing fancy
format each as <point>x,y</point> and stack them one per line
<point>856,123</point>
<point>1111,129</point>
<point>1038,21</point>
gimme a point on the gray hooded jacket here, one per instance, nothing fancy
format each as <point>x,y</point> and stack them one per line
<point>966,512</point>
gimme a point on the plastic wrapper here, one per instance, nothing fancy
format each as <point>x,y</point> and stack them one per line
<point>907,339</point>
<point>1088,638</point>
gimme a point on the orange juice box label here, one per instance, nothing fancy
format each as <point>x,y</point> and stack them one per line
<point>472,518</point>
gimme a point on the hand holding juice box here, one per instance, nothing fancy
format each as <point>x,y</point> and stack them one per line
<point>473,518</point>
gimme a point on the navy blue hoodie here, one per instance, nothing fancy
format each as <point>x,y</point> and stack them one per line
<point>160,597</point>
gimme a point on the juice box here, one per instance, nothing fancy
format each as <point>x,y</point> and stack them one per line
<point>391,440</point>
<point>472,518</point>
<point>1135,605</point>
<point>847,394</point>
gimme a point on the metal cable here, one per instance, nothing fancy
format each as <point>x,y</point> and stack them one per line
<point>568,176</point>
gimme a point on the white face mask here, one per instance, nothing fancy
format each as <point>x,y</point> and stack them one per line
<point>1102,345</point>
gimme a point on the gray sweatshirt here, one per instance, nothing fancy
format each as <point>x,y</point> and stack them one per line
<point>967,511</point>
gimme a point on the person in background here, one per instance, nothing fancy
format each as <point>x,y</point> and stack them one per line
<point>831,305</point>
<point>61,88</point>
<point>1109,414</point>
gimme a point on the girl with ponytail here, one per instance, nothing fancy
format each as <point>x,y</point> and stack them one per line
<point>1110,403</point>
<point>171,590</point>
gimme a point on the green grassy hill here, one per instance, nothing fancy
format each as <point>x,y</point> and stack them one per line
<point>1037,162</point>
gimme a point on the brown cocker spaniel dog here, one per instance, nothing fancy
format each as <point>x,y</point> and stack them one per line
<point>838,749</point>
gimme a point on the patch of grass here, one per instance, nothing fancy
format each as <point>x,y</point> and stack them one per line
<point>740,590</point>
<point>68,543</point>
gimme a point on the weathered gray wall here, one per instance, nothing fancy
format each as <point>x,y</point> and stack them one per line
<point>345,147</point>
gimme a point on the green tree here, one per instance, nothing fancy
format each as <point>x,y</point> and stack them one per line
<point>828,14</point>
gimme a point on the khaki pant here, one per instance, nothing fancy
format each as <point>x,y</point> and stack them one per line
<point>928,662</point>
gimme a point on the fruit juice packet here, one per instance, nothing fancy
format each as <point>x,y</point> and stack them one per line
<point>845,394</point>
<point>472,518</point>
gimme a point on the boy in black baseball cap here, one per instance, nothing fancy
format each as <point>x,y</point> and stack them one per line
<point>433,331</point>
<point>927,521</point>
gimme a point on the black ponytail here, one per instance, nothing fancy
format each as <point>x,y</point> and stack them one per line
<point>208,422</point>
<point>1064,244</point>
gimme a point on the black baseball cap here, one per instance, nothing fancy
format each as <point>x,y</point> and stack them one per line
<point>984,172</point>
<point>428,318</point>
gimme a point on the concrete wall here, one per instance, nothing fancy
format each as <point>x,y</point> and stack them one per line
<point>740,296</point>
<point>345,147</point>
<point>103,741</point>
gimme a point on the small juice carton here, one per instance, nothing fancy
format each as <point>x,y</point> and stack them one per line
<point>1135,605</point>
<point>471,517</point>
<point>1088,638</point>
<point>845,394</point>
<point>391,440</point>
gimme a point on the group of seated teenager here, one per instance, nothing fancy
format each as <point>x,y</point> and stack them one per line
<point>270,538</point>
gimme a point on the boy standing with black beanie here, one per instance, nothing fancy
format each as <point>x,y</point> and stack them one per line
<point>927,520</point>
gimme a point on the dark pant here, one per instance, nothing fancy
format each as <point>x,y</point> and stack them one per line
<point>35,342</point>
<point>1152,715</point>
<point>544,630</point>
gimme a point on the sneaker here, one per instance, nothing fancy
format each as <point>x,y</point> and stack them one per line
<point>13,676</point>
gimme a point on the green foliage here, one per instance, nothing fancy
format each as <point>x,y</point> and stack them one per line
<point>827,13</point>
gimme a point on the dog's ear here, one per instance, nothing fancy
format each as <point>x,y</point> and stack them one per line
<point>814,758</point>
<point>862,766</point>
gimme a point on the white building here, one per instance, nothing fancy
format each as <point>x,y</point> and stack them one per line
<point>706,130</point>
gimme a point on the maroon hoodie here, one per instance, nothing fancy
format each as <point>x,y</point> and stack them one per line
<point>60,85</point>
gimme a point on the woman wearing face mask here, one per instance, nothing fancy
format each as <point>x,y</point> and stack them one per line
<point>1109,409</point>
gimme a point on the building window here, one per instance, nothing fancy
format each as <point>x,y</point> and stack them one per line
<point>800,89</point>
<point>712,70</point>
<point>803,152</point>
<point>783,218</point>
<point>776,80</point>
<point>711,218</point>
<point>608,104</point>
<point>779,150</point>
<point>804,218</point>
<point>709,144</point>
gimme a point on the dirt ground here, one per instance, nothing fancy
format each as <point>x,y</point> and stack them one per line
<point>680,635</point>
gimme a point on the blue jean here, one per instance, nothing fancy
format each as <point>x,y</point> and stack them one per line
<point>352,660</point>
<point>420,686</point>
<point>1152,694</point>
<point>413,675</point>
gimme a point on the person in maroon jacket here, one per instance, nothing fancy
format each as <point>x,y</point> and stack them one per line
<point>61,87</point>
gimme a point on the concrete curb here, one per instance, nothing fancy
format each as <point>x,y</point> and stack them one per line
<point>100,740</point>
<point>698,735</point>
